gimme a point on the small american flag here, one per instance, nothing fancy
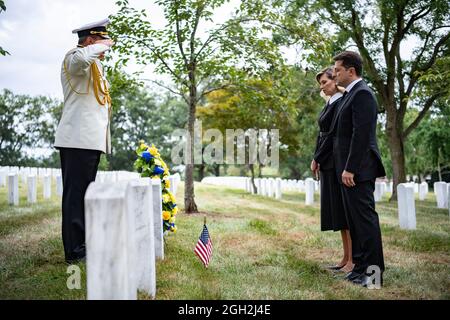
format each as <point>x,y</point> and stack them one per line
<point>203,249</point>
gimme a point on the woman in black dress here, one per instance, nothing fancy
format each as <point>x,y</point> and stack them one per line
<point>331,204</point>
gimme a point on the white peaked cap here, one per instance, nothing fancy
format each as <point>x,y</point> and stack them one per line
<point>94,25</point>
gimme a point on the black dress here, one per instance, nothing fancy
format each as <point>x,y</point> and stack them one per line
<point>332,212</point>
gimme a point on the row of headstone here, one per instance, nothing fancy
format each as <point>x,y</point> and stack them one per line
<point>406,201</point>
<point>268,187</point>
<point>123,238</point>
<point>293,185</point>
<point>273,187</point>
<point>32,177</point>
<point>24,172</point>
<point>381,188</point>
<point>32,182</point>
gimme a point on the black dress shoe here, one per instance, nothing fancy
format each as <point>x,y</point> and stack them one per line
<point>351,276</point>
<point>76,261</point>
<point>367,282</point>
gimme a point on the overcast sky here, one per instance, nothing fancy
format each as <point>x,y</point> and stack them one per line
<point>38,33</point>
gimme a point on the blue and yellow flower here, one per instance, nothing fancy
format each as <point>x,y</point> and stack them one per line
<point>150,164</point>
<point>147,156</point>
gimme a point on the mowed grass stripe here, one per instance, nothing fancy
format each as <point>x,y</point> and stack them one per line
<point>263,249</point>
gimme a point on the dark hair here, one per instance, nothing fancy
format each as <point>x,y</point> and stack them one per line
<point>81,40</point>
<point>328,71</point>
<point>350,59</point>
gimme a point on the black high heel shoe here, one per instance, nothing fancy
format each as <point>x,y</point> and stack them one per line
<point>335,268</point>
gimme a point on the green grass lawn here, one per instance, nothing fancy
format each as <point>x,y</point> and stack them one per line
<point>263,249</point>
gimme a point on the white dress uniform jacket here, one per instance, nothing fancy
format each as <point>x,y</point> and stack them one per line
<point>85,122</point>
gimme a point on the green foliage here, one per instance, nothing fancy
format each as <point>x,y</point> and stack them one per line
<point>429,145</point>
<point>380,30</point>
<point>287,100</point>
<point>3,52</point>
<point>26,123</point>
<point>140,114</point>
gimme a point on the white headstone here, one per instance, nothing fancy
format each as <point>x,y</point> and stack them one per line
<point>390,187</point>
<point>270,187</point>
<point>47,186</point>
<point>309,190</point>
<point>140,207</point>
<point>109,176</point>
<point>378,192</point>
<point>41,172</point>
<point>252,190</point>
<point>440,190</point>
<point>301,186</point>
<point>59,185</point>
<point>56,172</point>
<point>292,184</point>
<point>3,175</point>
<point>278,188</point>
<point>13,189</point>
<point>423,190</point>
<point>448,197</point>
<point>32,188</point>
<point>24,172</point>
<point>406,206</point>
<point>107,238</point>
<point>383,188</point>
<point>157,218</point>
<point>174,180</point>
<point>264,186</point>
<point>258,185</point>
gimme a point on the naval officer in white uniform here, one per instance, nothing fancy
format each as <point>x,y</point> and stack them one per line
<point>83,131</point>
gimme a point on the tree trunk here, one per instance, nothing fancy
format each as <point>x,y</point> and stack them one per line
<point>439,164</point>
<point>252,170</point>
<point>189,202</point>
<point>201,172</point>
<point>396,147</point>
<point>217,169</point>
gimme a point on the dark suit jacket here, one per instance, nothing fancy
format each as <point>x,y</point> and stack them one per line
<point>355,147</point>
<point>324,144</point>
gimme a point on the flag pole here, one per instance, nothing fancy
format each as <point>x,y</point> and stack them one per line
<point>204,220</point>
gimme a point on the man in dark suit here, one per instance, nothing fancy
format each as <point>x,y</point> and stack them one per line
<point>358,163</point>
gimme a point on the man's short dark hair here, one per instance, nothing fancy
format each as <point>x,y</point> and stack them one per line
<point>81,40</point>
<point>350,59</point>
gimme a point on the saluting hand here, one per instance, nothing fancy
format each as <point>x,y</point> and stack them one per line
<point>347,179</point>
<point>107,42</point>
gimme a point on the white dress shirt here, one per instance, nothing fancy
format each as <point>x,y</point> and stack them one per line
<point>352,84</point>
<point>334,97</point>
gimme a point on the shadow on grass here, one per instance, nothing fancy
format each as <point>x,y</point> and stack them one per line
<point>38,274</point>
<point>14,218</point>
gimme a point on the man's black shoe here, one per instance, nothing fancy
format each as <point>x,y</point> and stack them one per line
<point>351,275</point>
